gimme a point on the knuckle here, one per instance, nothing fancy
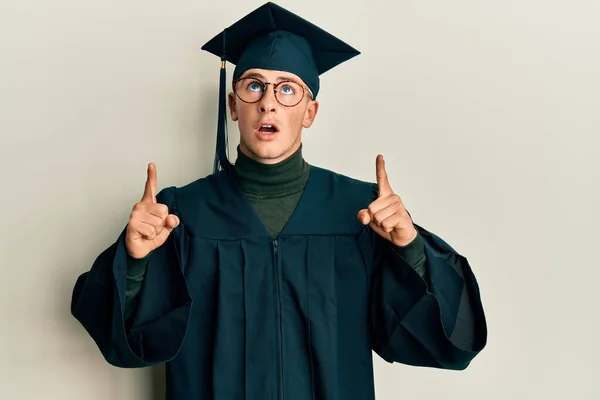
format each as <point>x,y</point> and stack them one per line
<point>163,209</point>
<point>135,215</point>
<point>160,210</point>
<point>131,226</point>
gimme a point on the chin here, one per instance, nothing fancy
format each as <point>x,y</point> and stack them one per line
<point>269,153</point>
<point>266,152</point>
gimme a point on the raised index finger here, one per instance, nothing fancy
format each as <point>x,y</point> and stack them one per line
<point>382,178</point>
<point>151,184</point>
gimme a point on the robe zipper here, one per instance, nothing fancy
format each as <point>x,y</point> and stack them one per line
<point>279,318</point>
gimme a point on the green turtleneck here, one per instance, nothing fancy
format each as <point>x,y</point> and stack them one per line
<point>274,191</point>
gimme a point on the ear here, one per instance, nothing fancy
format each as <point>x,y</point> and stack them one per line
<point>232,107</point>
<point>311,113</point>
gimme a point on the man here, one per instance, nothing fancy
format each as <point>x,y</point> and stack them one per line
<point>273,278</point>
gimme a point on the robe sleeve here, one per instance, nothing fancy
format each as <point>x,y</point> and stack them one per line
<point>436,320</point>
<point>153,334</point>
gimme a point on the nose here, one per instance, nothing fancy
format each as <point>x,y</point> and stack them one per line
<point>268,103</point>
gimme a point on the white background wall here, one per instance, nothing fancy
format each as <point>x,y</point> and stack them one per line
<point>487,113</point>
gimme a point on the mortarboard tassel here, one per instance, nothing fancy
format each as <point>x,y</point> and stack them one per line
<point>221,157</point>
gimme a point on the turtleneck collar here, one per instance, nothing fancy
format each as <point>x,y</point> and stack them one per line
<point>286,177</point>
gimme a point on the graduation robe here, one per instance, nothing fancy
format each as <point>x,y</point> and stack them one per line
<point>236,314</point>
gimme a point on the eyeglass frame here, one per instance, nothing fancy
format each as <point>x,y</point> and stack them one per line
<point>305,89</point>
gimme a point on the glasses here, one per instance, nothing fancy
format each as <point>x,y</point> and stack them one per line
<point>252,90</point>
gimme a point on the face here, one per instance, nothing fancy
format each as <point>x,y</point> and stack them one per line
<point>270,145</point>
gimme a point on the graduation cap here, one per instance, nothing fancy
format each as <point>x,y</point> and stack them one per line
<point>273,38</point>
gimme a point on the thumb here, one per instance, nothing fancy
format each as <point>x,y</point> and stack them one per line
<point>171,222</point>
<point>364,217</point>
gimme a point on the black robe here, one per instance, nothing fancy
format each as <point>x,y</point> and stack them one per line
<point>238,315</point>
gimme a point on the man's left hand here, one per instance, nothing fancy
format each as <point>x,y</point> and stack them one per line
<point>387,215</point>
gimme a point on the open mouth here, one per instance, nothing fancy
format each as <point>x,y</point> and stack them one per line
<point>268,128</point>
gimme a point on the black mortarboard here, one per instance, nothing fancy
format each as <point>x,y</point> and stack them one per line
<point>272,37</point>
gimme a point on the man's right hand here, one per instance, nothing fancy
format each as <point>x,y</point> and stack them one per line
<point>150,223</point>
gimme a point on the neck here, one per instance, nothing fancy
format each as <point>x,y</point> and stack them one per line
<point>282,178</point>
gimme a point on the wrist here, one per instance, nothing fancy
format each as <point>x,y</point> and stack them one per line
<point>405,241</point>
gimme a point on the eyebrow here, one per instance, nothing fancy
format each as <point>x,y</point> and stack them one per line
<point>279,78</point>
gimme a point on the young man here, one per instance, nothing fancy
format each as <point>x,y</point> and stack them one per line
<point>273,278</point>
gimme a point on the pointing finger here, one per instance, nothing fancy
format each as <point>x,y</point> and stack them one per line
<point>382,178</point>
<point>151,184</point>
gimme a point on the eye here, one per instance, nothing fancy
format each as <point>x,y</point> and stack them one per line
<point>287,89</point>
<point>254,86</point>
